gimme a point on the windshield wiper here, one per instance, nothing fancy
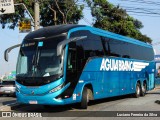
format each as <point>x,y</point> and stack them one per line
<point>35,63</point>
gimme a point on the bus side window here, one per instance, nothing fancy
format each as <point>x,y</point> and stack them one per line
<point>80,55</point>
<point>105,42</point>
<point>71,62</point>
<point>116,48</point>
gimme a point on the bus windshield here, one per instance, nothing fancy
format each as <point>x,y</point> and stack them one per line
<point>38,58</point>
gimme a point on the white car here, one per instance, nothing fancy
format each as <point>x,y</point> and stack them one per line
<point>7,87</point>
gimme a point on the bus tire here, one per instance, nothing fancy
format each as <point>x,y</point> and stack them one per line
<point>85,99</point>
<point>143,89</point>
<point>137,93</point>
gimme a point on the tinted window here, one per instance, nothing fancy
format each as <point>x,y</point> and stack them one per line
<point>38,58</point>
<point>142,53</point>
<point>80,55</point>
<point>127,50</point>
<point>92,45</point>
<point>117,48</point>
<point>71,62</point>
<point>8,82</point>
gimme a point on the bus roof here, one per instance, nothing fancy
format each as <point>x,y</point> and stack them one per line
<point>51,31</point>
<point>58,29</point>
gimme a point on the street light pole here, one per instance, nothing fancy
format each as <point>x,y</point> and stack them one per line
<point>26,10</point>
<point>36,15</point>
<point>36,19</point>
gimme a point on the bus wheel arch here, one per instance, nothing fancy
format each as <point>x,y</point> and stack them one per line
<point>90,90</point>
<point>143,88</point>
<point>137,89</point>
<point>87,94</point>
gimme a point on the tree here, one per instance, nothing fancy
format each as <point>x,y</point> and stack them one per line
<point>52,12</point>
<point>67,12</point>
<point>115,19</point>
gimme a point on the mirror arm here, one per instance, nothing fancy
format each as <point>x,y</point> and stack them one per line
<point>61,45</point>
<point>8,50</point>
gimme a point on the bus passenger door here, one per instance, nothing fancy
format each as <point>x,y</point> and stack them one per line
<point>150,74</point>
<point>151,81</point>
<point>71,75</point>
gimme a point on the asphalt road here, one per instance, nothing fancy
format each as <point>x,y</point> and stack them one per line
<point>5,100</point>
<point>123,103</point>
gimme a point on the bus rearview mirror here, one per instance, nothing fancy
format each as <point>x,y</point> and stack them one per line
<point>8,50</point>
<point>61,45</point>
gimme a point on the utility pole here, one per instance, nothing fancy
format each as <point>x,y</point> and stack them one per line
<point>36,15</point>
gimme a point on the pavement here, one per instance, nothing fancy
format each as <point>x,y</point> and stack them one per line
<point>15,105</point>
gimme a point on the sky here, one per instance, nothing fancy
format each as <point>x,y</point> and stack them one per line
<point>150,21</point>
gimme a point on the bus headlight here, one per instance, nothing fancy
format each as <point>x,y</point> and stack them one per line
<point>17,87</point>
<point>56,88</point>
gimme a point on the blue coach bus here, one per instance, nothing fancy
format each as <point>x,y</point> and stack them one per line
<point>67,64</point>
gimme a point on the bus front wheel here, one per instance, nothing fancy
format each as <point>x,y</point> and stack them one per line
<point>137,93</point>
<point>85,98</point>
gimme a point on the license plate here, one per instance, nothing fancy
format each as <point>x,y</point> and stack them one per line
<point>33,102</point>
<point>7,91</point>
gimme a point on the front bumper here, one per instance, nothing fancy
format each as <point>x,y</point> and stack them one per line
<point>46,99</point>
<point>7,92</point>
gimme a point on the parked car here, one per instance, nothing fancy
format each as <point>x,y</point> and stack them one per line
<point>7,87</point>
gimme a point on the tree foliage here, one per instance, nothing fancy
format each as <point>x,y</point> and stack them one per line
<point>106,16</point>
<point>115,19</point>
<point>52,12</point>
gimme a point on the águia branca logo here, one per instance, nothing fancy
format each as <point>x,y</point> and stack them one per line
<point>121,65</point>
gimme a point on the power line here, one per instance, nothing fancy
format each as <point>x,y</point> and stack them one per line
<point>157,43</point>
<point>148,12</point>
<point>135,8</point>
<point>142,1</point>
<point>143,12</point>
<point>145,15</point>
<point>87,21</point>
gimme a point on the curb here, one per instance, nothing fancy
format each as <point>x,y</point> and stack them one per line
<point>158,87</point>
